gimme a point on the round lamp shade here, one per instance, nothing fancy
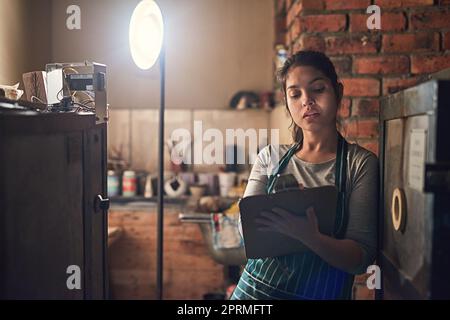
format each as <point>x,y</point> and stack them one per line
<point>146,34</point>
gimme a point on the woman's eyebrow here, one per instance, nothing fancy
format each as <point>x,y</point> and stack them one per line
<point>313,80</point>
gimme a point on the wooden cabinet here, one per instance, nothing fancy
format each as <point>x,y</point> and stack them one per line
<point>52,169</point>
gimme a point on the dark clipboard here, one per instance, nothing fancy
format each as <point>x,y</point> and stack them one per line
<point>262,244</point>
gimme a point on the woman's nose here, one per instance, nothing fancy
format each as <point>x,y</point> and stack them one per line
<point>307,102</point>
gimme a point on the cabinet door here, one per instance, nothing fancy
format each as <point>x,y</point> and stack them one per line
<point>41,219</point>
<point>95,221</point>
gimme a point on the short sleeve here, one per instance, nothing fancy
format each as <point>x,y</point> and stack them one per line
<point>258,178</point>
<point>363,209</point>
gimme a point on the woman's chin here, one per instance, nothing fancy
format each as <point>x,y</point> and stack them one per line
<point>313,126</point>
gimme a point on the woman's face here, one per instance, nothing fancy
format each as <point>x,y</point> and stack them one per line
<point>310,98</point>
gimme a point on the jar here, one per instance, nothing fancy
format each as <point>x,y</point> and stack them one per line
<point>113,184</point>
<point>129,183</point>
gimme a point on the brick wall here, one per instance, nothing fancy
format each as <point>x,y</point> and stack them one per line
<point>189,271</point>
<point>413,42</point>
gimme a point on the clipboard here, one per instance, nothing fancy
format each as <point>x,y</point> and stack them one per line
<point>262,244</point>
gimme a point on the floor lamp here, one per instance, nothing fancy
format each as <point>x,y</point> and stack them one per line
<point>146,37</point>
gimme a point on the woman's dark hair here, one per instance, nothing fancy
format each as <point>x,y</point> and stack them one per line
<point>314,59</point>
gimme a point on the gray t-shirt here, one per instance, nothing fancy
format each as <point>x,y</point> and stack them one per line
<point>361,189</point>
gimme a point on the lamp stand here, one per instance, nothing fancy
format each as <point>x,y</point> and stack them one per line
<point>160,217</point>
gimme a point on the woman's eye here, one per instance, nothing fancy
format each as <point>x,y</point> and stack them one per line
<point>294,96</point>
<point>319,90</point>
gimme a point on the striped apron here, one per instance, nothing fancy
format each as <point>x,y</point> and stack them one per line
<point>302,275</point>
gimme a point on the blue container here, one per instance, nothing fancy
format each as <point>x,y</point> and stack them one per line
<point>113,184</point>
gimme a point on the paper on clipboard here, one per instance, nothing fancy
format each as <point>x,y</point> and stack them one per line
<point>261,244</point>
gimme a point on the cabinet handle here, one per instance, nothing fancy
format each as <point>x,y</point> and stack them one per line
<point>100,203</point>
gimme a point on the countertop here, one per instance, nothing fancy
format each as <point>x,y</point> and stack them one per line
<point>142,203</point>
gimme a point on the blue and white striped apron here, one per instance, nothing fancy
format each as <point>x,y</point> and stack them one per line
<point>302,275</point>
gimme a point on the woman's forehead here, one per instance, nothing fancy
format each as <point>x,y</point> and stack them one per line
<point>303,75</point>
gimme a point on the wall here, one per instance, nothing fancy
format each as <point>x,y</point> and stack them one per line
<point>413,42</point>
<point>135,131</point>
<point>19,37</point>
<point>214,49</point>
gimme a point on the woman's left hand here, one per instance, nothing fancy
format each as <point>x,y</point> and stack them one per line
<point>305,229</point>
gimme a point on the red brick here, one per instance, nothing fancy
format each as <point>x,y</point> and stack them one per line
<point>343,65</point>
<point>295,30</point>
<point>356,128</point>
<point>280,24</point>
<point>346,4</point>
<point>446,41</point>
<point>358,22</point>
<point>430,20</point>
<point>323,23</point>
<point>392,85</point>
<point>351,44</point>
<point>288,40</point>
<point>389,22</point>
<point>308,42</point>
<point>365,107</point>
<point>281,6</point>
<point>429,63</point>
<point>296,47</point>
<point>344,109</point>
<point>361,87</point>
<point>371,145</point>
<point>381,64</point>
<point>403,3</point>
<point>280,38</point>
<point>289,3</point>
<point>421,41</point>
<point>293,12</point>
<point>312,4</point>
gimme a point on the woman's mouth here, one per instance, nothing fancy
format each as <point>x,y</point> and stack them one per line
<point>311,115</point>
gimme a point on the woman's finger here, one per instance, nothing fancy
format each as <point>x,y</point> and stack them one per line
<point>311,214</point>
<point>266,229</point>
<point>263,221</point>
<point>270,215</point>
<point>283,213</point>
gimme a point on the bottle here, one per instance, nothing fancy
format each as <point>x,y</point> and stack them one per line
<point>113,184</point>
<point>148,193</point>
<point>129,183</point>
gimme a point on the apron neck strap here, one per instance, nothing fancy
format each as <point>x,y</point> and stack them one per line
<point>341,164</point>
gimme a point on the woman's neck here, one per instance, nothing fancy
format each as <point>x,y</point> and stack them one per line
<point>323,141</point>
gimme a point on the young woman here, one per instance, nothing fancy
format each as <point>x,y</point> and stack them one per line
<point>320,156</point>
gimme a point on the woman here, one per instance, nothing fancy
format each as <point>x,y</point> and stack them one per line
<point>319,156</point>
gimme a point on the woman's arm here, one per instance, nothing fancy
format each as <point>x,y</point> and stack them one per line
<point>344,254</point>
<point>354,253</point>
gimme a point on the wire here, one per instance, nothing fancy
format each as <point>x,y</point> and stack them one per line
<point>84,107</point>
<point>65,84</point>
<point>39,100</point>
<point>88,101</point>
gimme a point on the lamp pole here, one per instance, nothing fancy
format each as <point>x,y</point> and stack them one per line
<point>160,218</point>
<point>146,37</point>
